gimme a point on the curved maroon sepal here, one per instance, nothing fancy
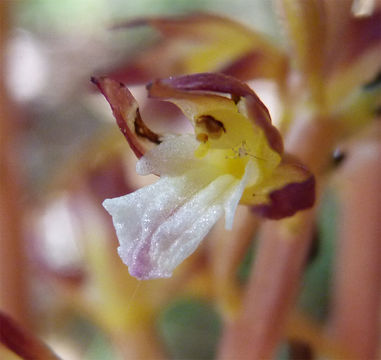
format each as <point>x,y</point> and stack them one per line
<point>215,82</point>
<point>126,112</point>
<point>298,192</point>
<point>288,200</point>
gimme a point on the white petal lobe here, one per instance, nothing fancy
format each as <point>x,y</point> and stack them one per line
<point>160,225</point>
<point>174,156</point>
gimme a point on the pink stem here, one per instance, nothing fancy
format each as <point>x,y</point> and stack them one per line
<point>280,258</point>
<point>357,290</point>
<point>225,256</point>
<point>12,262</point>
<point>21,342</point>
<point>270,292</point>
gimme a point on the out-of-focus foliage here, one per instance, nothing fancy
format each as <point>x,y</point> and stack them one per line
<point>317,282</point>
<point>190,329</point>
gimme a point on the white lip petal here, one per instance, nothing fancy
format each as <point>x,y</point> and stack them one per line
<point>160,225</point>
<point>174,156</point>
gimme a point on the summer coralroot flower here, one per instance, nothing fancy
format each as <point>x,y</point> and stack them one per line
<point>234,156</point>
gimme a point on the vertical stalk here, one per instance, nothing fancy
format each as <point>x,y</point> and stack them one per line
<point>271,291</point>
<point>282,251</point>
<point>357,285</point>
<point>227,249</point>
<point>12,264</point>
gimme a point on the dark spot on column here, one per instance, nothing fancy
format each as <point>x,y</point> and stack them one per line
<point>211,126</point>
<point>202,137</point>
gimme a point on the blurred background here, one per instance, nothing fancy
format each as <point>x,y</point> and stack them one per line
<point>62,155</point>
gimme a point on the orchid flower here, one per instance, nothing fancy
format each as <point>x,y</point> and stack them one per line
<point>234,156</point>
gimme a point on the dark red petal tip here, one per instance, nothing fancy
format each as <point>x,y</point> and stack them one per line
<point>287,201</point>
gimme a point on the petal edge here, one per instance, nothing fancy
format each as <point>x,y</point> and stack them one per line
<point>126,112</point>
